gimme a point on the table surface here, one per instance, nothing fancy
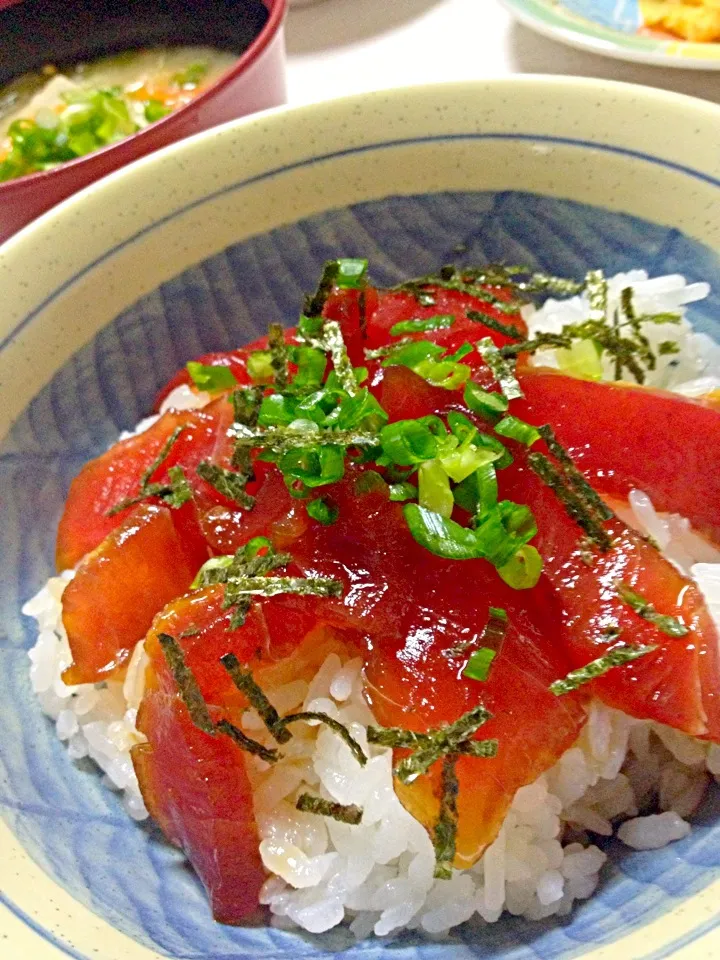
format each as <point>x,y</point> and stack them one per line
<point>338,47</point>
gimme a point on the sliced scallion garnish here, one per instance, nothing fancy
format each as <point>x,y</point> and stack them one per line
<point>441,321</point>
<point>515,429</point>
<point>211,378</point>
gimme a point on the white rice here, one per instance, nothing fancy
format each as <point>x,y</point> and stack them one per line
<point>633,778</point>
<point>693,371</point>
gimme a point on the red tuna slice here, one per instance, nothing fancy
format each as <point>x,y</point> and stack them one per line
<point>413,606</point>
<point>397,306</point>
<point>678,684</point>
<point>116,475</point>
<point>119,587</point>
<point>196,785</point>
<point>626,437</point>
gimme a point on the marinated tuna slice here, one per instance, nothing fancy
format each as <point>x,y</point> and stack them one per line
<point>194,781</point>
<point>138,469</point>
<point>625,437</point>
<point>677,684</point>
<point>119,587</point>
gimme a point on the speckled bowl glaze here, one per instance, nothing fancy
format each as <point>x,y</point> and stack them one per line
<point>196,248</point>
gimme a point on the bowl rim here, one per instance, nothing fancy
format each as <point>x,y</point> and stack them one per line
<point>277,11</point>
<point>22,247</point>
<point>706,110</point>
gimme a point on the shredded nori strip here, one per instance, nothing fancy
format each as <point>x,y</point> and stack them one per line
<point>313,305</point>
<point>247,743</point>
<point>445,833</point>
<point>186,683</point>
<point>340,729</point>
<point>227,482</point>
<point>281,438</point>
<point>444,740</point>
<point>273,586</point>
<point>397,738</point>
<point>179,491</point>
<point>278,356</point>
<point>621,655</point>
<point>574,476</point>
<point>161,457</point>
<point>246,403</point>
<point>245,682</point>
<point>246,406</point>
<point>334,344</point>
<point>500,369</point>
<point>576,507</point>
<point>342,812</point>
<point>669,625</point>
<point>174,493</point>
<point>539,342</point>
<point>239,614</point>
<point>506,329</point>
<point>377,353</point>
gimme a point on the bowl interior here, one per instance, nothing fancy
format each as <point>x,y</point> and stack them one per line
<point>37,32</point>
<point>67,820</point>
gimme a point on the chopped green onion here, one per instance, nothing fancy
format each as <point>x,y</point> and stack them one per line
<point>465,459</point>
<point>351,274</point>
<point>342,812</point>
<point>403,491</point>
<point>622,654</point>
<point>155,110</point>
<point>583,359</point>
<point>447,374</point>
<point>483,402</point>
<point>478,493</point>
<point>461,352</point>
<point>311,364</point>
<point>440,322</point>
<point>666,624</point>
<point>277,410</point>
<point>313,466</point>
<point>211,378</point>
<point>191,76</point>
<point>259,366</point>
<point>434,491</point>
<point>515,429</point>
<point>407,442</point>
<point>323,510</point>
<point>360,410</point>
<point>440,535</point>
<point>478,666</point>
<point>522,571</point>
<point>413,353</point>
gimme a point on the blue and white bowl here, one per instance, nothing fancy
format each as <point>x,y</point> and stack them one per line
<point>197,248</point>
